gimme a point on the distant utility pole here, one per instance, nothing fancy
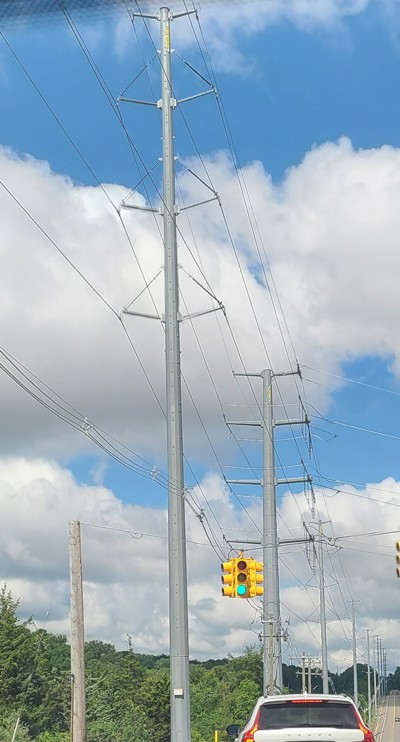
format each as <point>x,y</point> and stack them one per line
<point>368,680</point>
<point>78,699</point>
<point>324,649</point>
<point>271,618</point>
<point>378,667</point>
<point>355,679</point>
<point>385,671</point>
<point>308,664</point>
<point>273,681</point>
<point>374,666</point>
<point>380,658</point>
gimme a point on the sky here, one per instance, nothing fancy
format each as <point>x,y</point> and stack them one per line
<point>298,158</point>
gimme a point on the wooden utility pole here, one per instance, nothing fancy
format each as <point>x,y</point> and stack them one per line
<point>78,698</point>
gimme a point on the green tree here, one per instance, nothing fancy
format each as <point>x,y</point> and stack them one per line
<point>394,680</point>
<point>97,650</point>
<point>156,703</point>
<point>17,653</point>
<point>7,728</point>
<point>52,737</point>
<point>250,666</point>
<point>114,709</point>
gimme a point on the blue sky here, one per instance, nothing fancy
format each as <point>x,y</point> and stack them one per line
<point>312,102</point>
<point>318,83</point>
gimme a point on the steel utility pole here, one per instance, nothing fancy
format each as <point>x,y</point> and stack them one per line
<point>78,699</point>
<point>380,657</point>
<point>271,602</point>
<point>177,569</point>
<point>273,680</point>
<point>385,672</point>
<point>368,680</point>
<point>324,650</point>
<point>271,618</point>
<point>374,666</point>
<point>378,668</point>
<point>355,679</point>
<point>178,602</point>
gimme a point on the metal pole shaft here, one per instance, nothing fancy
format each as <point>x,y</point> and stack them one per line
<point>378,667</point>
<point>303,674</point>
<point>178,605</point>
<point>368,681</point>
<point>384,672</point>
<point>325,680</point>
<point>374,665</point>
<point>271,605</point>
<point>355,679</point>
<point>78,699</point>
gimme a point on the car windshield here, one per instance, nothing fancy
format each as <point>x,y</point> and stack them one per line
<point>307,714</point>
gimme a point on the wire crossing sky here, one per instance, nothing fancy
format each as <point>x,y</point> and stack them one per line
<point>295,161</point>
<point>37,11</point>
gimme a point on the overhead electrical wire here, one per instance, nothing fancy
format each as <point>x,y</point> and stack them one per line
<point>350,380</point>
<point>118,458</point>
<point>188,390</point>
<point>251,216</point>
<point>289,361</point>
<point>57,405</point>
<point>46,234</point>
<point>214,190</point>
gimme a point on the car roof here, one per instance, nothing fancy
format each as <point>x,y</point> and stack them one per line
<point>305,696</point>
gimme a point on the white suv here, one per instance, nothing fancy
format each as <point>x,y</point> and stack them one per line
<point>303,718</point>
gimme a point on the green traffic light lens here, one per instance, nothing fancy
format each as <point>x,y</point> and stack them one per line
<point>241,589</point>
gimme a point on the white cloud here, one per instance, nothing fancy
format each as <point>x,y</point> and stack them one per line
<point>125,578</point>
<point>335,273</point>
<point>226,25</point>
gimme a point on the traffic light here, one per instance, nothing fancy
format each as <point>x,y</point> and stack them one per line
<point>228,578</point>
<point>256,578</point>
<point>398,558</point>
<point>242,577</point>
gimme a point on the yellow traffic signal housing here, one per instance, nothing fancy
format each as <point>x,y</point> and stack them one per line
<point>398,558</point>
<point>242,577</point>
<point>256,578</point>
<point>228,578</point>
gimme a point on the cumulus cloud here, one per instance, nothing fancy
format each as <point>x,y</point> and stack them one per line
<point>226,25</point>
<point>335,273</point>
<point>318,266</point>
<point>125,565</point>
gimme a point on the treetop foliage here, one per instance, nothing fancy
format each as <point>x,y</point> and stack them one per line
<point>127,693</point>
